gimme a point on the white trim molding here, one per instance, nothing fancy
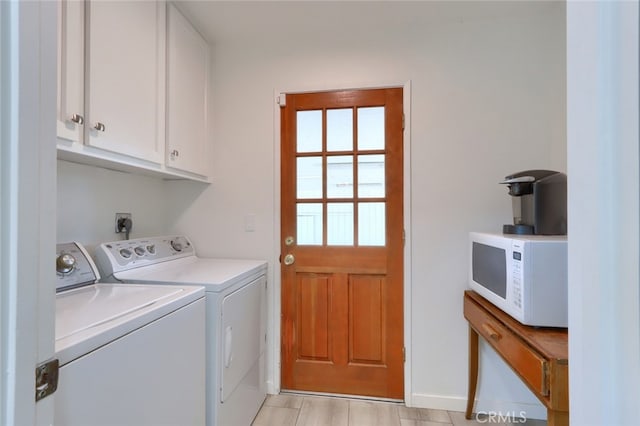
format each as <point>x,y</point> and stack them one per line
<point>273,358</point>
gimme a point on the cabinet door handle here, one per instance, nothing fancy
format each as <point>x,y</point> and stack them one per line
<point>174,154</point>
<point>77,118</point>
<point>491,332</point>
<point>99,127</point>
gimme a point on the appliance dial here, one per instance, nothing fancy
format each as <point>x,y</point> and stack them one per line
<point>126,253</point>
<point>151,249</point>
<point>139,250</point>
<point>65,263</point>
<point>177,245</point>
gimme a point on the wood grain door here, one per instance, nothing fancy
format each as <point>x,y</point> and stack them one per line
<point>342,243</point>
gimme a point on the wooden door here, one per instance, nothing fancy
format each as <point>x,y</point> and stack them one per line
<point>342,243</point>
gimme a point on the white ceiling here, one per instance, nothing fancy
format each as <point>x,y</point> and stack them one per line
<point>232,21</point>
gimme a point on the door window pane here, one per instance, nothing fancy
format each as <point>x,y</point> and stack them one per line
<point>340,129</point>
<point>309,177</point>
<point>309,224</point>
<point>340,176</point>
<point>371,224</point>
<point>340,224</point>
<point>309,131</point>
<point>371,176</point>
<point>371,128</point>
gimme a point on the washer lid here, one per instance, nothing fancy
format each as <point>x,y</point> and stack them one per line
<point>91,316</point>
<point>91,306</point>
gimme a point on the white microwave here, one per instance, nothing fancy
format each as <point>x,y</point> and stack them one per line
<point>524,275</point>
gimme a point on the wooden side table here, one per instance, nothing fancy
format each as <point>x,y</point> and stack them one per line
<point>539,356</point>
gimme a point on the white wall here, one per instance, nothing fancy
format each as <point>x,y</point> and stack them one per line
<point>488,99</point>
<point>89,197</point>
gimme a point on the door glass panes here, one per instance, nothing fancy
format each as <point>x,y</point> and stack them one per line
<point>331,210</point>
<point>370,128</point>
<point>309,223</point>
<point>340,224</point>
<point>340,176</point>
<point>309,177</point>
<point>309,131</point>
<point>371,182</point>
<point>371,224</point>
<point>340,129</point>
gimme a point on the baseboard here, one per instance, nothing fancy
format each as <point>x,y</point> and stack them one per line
<point>272,389</point>
<point>485,406</point>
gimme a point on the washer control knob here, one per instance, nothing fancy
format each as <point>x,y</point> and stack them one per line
<point>139,250</point>
<point>126,253</point>
<point>65,263</point>
<point>151,249</point>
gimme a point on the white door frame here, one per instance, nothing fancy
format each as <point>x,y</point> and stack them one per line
<point>273,354</point>
<point>27,205</point>
<point>604,210</point>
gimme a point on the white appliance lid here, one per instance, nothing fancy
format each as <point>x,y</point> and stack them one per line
<point>214,274</point>
<point>91,316</point>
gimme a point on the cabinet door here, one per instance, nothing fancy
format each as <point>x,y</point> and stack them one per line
<point>70,70</point>
<point>187,87</point>
<point>125,71</point>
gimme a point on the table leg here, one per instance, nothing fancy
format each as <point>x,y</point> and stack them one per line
<point>557,418</point>
<point>473,371</point>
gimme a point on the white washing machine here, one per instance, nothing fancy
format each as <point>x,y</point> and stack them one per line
<point>129,354</point>
<point>235,310</point>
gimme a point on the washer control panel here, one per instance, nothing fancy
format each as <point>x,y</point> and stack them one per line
<point>74,267</point>
<point>123,255</point>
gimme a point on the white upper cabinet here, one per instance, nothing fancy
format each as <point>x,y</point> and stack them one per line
<point>71,71</point>
<point>187,96</point>
<point>125,78</point>
<point>133,89</point>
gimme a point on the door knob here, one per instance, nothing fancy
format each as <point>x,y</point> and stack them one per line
<point>289,259</point>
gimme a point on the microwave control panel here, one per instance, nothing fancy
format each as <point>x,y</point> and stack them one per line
<point>517,275</point>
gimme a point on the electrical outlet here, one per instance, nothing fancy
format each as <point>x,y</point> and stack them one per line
<point>120,218</point>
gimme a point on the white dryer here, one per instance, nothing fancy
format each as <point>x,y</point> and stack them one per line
<point>235,310</point>
<point>129,355</point>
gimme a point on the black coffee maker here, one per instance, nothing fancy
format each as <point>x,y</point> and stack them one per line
<point>539,200</point>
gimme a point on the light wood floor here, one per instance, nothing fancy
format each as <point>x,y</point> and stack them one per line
<point>297,410</point>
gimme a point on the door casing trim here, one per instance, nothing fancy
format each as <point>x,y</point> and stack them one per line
<point>273,297</point>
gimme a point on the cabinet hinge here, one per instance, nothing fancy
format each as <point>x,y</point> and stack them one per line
<point>404,354</point>
<point>46,378</point>
<point>403,121</point>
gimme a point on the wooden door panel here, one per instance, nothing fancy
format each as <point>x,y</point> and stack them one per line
<point>342,313</point>
<point>313,316</point>
<point>366,318</point>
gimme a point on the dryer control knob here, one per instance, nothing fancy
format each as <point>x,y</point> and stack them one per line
<point>177,245</point>
<point>126,253</point>
<point>65,263</point>
<point>151,249</point>
<point>139,250</point>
